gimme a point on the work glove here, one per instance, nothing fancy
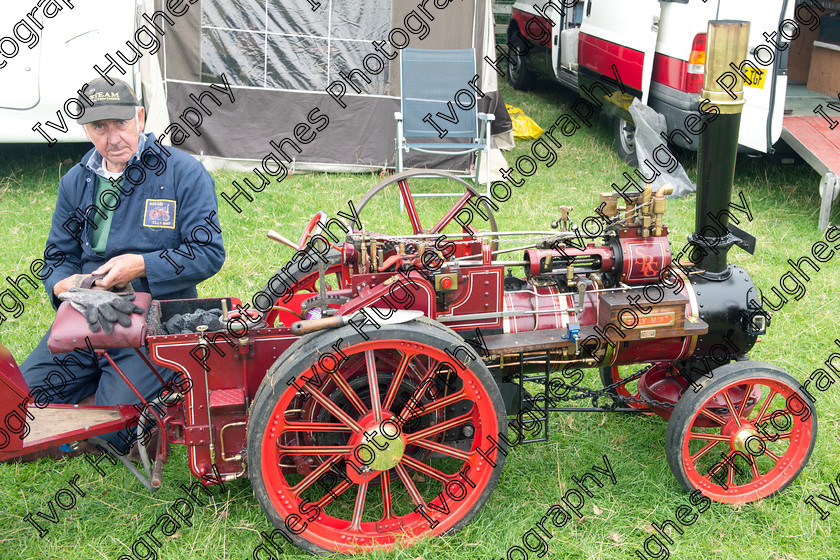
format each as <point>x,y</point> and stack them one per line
<point>102,308</point>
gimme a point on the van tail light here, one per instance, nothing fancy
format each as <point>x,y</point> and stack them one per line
<point>696,61</point>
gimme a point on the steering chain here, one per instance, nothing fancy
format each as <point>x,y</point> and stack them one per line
<point>575,393</point>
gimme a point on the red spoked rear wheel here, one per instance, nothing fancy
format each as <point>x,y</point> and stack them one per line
<point>746,435</point>
<point>364,444</point>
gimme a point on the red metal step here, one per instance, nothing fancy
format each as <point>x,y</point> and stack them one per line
<point>221,398</point>
<point>821,143</point>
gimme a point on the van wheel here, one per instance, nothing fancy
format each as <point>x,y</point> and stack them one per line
<point>519,77</point>
<point>625,140</point>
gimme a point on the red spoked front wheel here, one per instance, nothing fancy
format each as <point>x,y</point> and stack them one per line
<point>358,444</point>
<point>746,435</point>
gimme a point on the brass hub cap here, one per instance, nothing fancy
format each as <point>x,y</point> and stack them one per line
<point>739,440</point>
<point>386,444</point>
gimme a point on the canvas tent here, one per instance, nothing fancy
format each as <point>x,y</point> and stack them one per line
<point>282,57</point>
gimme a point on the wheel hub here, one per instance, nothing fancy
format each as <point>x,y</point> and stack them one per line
<point>380,447</point>
<point>386,444</point>
<point>740,438</point>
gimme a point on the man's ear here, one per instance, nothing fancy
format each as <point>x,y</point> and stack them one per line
<point>141,118</point>
<point>87,134</point>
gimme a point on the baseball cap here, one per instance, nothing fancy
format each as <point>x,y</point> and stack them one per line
<point>110,102</point>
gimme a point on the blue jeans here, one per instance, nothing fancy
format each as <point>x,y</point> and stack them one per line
<point>70,377</point>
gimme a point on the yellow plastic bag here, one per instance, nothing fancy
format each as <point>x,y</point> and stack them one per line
<point>524,127</point>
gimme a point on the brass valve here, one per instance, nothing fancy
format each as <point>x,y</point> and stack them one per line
<point>659,207</point>
<point>608,203</point>
<point>630,212</point>
<point>201,330</point>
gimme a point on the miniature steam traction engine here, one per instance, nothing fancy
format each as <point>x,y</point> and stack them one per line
<point>363,418</point>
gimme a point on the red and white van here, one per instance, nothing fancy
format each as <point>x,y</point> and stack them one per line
<point>657,48</point>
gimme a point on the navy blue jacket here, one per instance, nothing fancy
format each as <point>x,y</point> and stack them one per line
<point>172,211</point>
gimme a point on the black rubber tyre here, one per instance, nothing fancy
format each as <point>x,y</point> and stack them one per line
<point>757,456</point>
<point>284,428</point>
<point>625,142</point>
<point>519,76</point>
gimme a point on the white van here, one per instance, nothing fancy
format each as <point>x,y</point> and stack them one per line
<point>46,56</point>
<point>657,48</point>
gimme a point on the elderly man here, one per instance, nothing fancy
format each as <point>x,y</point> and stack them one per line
<point>125,212</point>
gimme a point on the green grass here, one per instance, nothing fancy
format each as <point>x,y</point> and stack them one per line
<point>116,511</point>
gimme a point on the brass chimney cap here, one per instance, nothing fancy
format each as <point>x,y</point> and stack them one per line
<point>727,42</point>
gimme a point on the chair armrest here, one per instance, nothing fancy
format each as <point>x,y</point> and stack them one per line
<point>484,128</point>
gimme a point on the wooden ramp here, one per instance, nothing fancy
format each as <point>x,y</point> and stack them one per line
<point>817,144</point>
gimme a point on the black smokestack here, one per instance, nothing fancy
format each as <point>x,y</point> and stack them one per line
<point>723,93</point>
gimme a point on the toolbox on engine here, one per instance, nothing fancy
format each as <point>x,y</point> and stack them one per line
<point>642,318</point>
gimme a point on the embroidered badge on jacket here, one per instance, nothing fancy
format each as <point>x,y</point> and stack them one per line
<point>159,214</point>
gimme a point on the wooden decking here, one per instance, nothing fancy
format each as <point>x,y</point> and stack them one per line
<point>52,422</point>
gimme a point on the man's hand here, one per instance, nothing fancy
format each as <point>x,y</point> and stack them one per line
<point>120,271</point>
<point>67,283</point>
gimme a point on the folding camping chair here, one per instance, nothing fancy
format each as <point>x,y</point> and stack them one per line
<point>434,88</point>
